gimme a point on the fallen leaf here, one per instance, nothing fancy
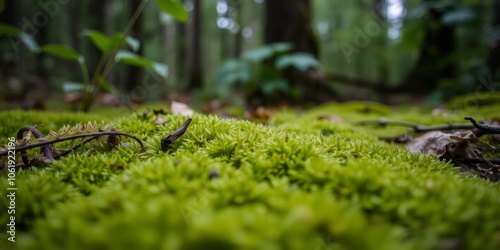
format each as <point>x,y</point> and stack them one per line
<point>160,121</point>
<point>166,141</point>
<point>179,108</point>
<point>457,144</point>
<point>332,118</point>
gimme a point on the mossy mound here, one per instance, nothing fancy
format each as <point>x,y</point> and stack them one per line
<point>297,183</point>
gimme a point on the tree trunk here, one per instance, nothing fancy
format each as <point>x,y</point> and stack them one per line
<point>238,38</point>
<point>134,73</point>
<point>379,8</point>
<point>181,55</point>
<point>434,63</point>
<point>290,21</point>
<point>97,22</point>
<point>196,69</point>
<point>11,17</point>
<point>493,60</point>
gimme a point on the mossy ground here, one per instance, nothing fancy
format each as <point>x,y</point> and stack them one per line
<point>297,183</point>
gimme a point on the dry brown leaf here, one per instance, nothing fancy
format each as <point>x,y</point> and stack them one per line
<point>179,108</point>
<point>160,121</point>
<point>439,143</point>
<point>332,118</point>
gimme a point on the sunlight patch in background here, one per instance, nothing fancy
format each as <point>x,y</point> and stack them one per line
<point>395,14</point>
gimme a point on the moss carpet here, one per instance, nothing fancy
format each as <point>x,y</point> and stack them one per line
<point>296,183</point>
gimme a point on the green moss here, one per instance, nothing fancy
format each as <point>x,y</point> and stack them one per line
<point>297,183</point>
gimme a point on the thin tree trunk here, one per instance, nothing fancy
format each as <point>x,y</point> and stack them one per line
<point>134,73</point>
<point>434,63</point>
<point>379,7</point>
<point>97,22</point>
<point>196,69</point>
<point>181,54</point>
<point>11,17</point>
<point>290,21</point>
<point>238,39</point>
<point>493,60</point>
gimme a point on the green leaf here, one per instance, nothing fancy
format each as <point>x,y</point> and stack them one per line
<point>99,39</point>
<point>275,85</point>
<point>6,29</point>
<point>281,47</point>
<point>2,5</point>
<point>107,44</point>
<point>258,54</point>
<point>130,58</point>
<point>413,35</point>
<point>174,8</point>
<point>30,42</point>
<point>300,61</point>
<point>105,84</point>
<point>70,86</point>
<point>62,51</point>
<point>116,41</point>
<point>458,17</point>
<point>265,52</point>
<point>161,69</point>
<point>133,43</point>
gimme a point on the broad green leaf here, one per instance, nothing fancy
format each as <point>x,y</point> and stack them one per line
<point>258,54</point>
<point>281,47</point>
<point>234,71</point>
<point>107,44</point>
<point>70,86</point>
<point>300,61</point>
<point>265,52</point>
<point>30,42</point>
<point>174,8</point>
<point>2,5</point>
<point>272,86</point>
<point>116,41</point>
<point>161,69</point>
<point>130,58</point>
<point>6,29</point>
<point>99,39</point>
<point>62,51</point>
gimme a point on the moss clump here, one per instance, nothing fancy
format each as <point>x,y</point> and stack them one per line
<point>298,183</point>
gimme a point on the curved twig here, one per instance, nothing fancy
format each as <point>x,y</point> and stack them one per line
<point>483,129</point>
<point>97,134</point>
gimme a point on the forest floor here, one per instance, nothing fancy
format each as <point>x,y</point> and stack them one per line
<point>314,179</point>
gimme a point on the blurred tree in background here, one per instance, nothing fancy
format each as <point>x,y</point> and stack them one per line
<point>392,51</point>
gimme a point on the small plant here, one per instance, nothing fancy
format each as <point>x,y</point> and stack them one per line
<point>262,69</point>
<point>111,48</point>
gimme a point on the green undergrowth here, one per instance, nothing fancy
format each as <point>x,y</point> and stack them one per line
<point>295,183</point>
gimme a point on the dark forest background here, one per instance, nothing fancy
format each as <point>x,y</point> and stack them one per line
<point>257,52</point>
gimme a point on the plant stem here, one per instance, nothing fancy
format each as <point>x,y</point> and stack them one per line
<point>111,58</point>
<point>86,81</point>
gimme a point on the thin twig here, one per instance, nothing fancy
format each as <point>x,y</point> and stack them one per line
<point>48,142</point>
